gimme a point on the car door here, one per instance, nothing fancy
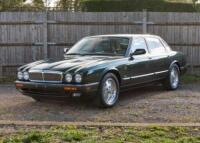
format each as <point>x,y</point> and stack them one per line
<point>138,65</point>
<point>158,58</point>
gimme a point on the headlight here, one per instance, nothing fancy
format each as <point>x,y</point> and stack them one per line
<point>78,78</point>
<point>20,75</point>
<point>68,77</point>
<point>26,75</point>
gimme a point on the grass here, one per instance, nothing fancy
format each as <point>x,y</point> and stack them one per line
<point>186,79</point>
<point>105,134</point>
<point>7,79</point>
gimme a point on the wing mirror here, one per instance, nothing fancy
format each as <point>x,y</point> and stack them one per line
<point>66,50</point>
<point>137,52</point>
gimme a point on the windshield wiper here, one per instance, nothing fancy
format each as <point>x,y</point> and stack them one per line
<point>101,54</point>
<point>73,54</point>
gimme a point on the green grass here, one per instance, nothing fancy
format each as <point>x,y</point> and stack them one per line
<point>105,134</point>
<point>186,79</point>
<point>7,80</point>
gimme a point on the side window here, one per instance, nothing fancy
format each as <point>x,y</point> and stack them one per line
<point>155,46</point>
<point>138,43</point>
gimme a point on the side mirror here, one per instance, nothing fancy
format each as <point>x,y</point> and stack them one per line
<point>66,50</point>
<point>139,52</point>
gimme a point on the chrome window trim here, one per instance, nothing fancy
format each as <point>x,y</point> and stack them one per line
<point>144,75</point>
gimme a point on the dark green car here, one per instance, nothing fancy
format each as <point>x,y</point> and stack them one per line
<point>101,67</point>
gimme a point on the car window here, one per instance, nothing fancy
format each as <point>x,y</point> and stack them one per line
<point>116,46</point>
<point>138,43</point>
<point>155,46</point>
<point>166,45</point>
<point>101,45</point>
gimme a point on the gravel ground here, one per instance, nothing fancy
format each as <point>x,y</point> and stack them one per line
<point>145,105</point>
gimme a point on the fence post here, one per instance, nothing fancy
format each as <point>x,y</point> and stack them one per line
<point>144,21</point>
<point>45,38</point>
<point>1,71</point>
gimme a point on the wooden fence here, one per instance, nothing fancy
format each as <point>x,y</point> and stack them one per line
<point>30,36</point>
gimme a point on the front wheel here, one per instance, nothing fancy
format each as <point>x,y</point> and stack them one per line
<point>108,91</point>
<point>37,99</point>
<point>173,80</point>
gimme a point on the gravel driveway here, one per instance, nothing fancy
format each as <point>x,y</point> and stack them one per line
<point>144,105</point>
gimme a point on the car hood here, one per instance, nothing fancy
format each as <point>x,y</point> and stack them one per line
<point>71,63</point>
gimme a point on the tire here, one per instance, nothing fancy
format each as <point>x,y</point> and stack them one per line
<point>37,99</point>
<point>173,79</point>
<point>108,91</point>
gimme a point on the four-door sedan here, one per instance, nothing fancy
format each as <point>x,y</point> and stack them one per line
<point>102,66</point>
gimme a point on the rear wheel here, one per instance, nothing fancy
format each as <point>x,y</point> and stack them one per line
<point>108,91</point>
<point>173,80</point>
<point>37,99</point>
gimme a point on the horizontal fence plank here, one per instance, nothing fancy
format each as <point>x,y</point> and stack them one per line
<point>71,44</point>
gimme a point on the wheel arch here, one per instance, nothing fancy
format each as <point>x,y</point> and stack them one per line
<point>113,71</point>
<point>177,63</point>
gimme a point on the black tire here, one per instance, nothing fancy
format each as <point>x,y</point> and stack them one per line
<point>100,100</point>
<point>168,83</point>
<point>37,99</point>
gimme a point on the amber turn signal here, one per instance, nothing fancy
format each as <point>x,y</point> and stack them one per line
<point>19,85</point>
<point>70,88</point>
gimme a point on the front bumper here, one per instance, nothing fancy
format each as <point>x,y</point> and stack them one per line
<point>56,90</point>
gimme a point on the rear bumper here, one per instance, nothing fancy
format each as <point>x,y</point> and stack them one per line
<point>55,90</point>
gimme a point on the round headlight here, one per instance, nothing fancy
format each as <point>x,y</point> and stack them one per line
<point>20,75</point>
<point>26,75</point>
<point>68,77</point>
<point>78,78</point>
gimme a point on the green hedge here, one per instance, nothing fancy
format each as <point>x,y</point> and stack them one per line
<point>135,5</point>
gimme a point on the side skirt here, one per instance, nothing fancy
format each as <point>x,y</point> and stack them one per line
<point>135,86</point>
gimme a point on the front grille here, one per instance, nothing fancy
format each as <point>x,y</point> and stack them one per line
<point>52,77</point>
<point>36,76</point>
<point>45,76</point>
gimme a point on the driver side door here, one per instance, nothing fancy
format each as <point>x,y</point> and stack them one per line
<point>138,64</point>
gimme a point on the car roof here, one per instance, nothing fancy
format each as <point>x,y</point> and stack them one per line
<point>125,35</point>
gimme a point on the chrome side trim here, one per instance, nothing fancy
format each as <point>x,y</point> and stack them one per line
<point>145,75</point>
<point>127,78</point>
<point>90,84</point>
<point>162,72</point>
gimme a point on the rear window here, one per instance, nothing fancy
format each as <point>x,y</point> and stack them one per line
<point>155,46</point>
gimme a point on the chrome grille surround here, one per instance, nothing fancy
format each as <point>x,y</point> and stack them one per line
<point>46,76</point>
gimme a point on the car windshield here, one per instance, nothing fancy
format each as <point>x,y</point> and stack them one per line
<point>100,46</point>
